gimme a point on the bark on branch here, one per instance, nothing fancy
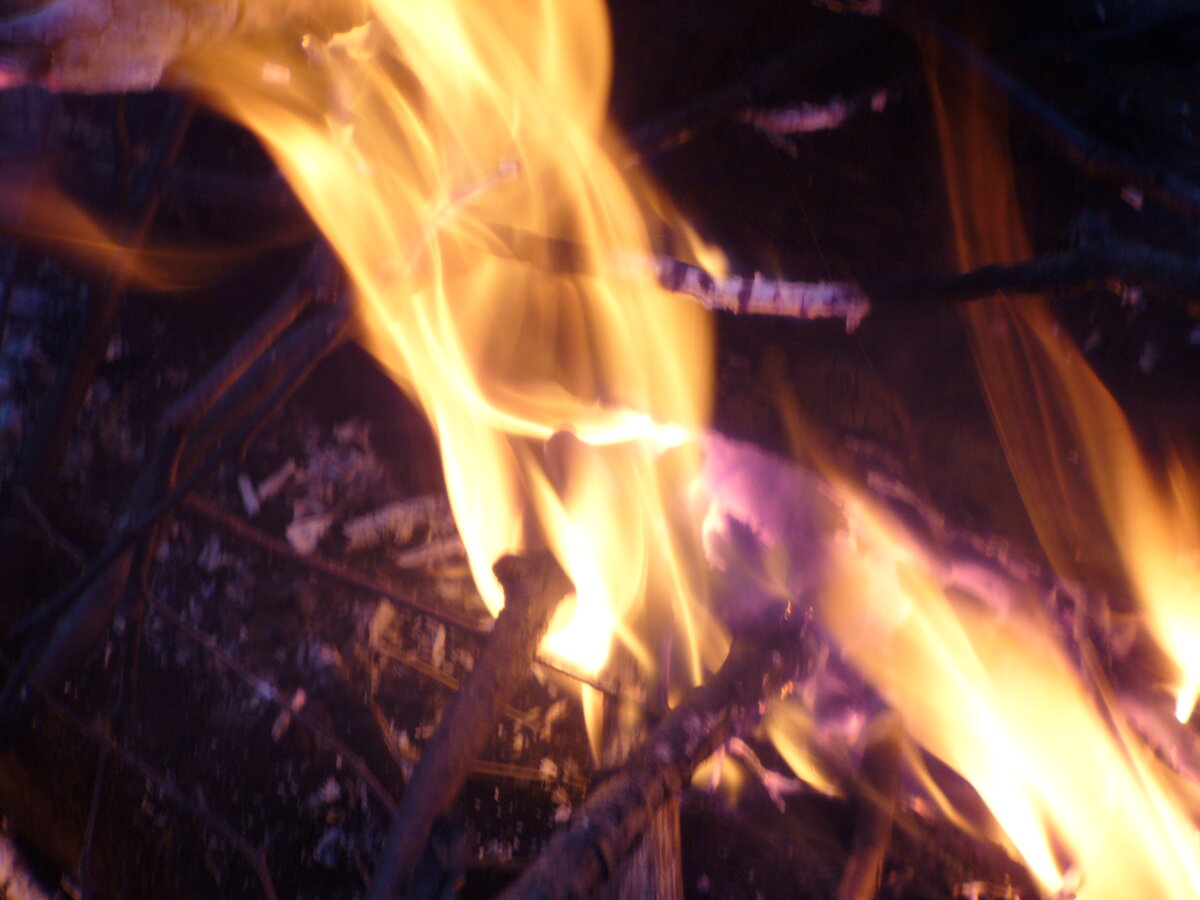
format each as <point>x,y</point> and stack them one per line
<point>95,46</point>
<point>533,587</point>
<point>616,815</point>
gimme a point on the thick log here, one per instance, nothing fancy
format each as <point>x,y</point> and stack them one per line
<point>96,46</point>
<point>621,809</point>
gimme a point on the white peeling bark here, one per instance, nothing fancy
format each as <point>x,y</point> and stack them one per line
<point>98,46</point>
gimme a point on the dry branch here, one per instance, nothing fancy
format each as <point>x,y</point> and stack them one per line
<point>533,587</point>
<point>1095,158</point>
<point>612,820</point>
<point>1109,258</point>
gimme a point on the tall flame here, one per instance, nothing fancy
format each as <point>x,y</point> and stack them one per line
<point>418,139</point>
<point>998,700</point>
<point>996,697</point>
<point>1085,481</point>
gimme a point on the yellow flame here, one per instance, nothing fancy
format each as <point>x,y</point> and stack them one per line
<point>414,139</point>
<point>1075,791</point>
<point>1083,478</point>
<point>791,729</point>
<point>999,702</point>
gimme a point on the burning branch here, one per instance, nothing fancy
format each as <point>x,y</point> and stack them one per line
<point>533,587</point>
<point>618,811</point>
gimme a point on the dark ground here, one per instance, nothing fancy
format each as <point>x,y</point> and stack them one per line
<point>202,770</point>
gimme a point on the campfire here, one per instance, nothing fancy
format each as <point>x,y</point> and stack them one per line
<point>643,480</point>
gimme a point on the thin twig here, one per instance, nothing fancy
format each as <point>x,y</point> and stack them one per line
<point>433,673</point>
<point>325,329</point>
<point>331,569</point>
<point>45,448</point>
<point>351,577</point>
<point>87,887</point>
<point>95,592</point>
<point>52,534</point>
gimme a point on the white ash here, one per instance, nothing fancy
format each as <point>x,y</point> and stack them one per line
<point>273,483</point>
<point>250,501</point>
<point>305,534</point>
<point>396,523</point>
<point>553,714</point>
<point>329,792</point>
<point>432,554</point>
<point>211,556</point>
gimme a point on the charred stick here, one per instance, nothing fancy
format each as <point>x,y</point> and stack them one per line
<point>254,856</point>
<point>753,295</point>
<point>615,816</point>
<point>1108,259</point>
<point>533,587</point>
<point>95,593</point>
<point>1105,258</point>
<point>262,687</point>
<point>253,344</point>
<point>879,785</point>
<point>1095,158</point>
<point>350,577</point>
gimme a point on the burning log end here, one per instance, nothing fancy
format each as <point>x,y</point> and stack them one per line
<point>527,579</point>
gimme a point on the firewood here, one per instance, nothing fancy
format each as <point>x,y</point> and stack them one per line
<point>617,813</point>
<point>97,46</point>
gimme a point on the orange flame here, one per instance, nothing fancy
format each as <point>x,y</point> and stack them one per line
<point>413,139</point>
<point>1085,481</point>
<point>1076,793</point>
<point>998,701</point>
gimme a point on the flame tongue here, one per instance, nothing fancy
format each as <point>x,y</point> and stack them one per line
<point>412,139</point>
<point>415,139</point>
